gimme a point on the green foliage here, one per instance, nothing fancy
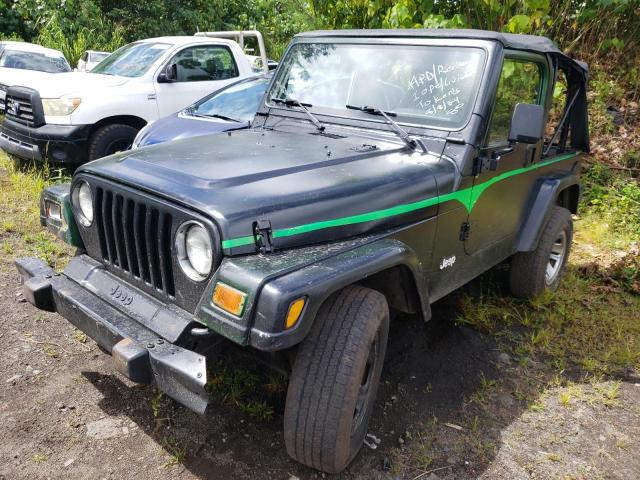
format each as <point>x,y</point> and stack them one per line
<point>520,82</point>
<point>102,37</point>
<point>105,24</point>
<point>614,199</point>
<point>250,391</point>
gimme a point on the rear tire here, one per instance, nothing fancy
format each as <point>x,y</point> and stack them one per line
<point>335,378</point>
<point>111,139</point>
<point>534,272</point>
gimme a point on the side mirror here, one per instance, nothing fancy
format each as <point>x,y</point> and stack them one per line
<point>527,123</point>
<point>169,74</point>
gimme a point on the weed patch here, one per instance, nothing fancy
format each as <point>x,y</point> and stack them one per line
<point>253,392</point>
<point>20,231</point>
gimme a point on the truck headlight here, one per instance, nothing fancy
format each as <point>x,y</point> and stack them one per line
<point>58,107</point>
<point>194,250</point>
<point>83,201</point>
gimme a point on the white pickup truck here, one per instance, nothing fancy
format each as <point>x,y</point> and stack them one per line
<point>21,62</point>
<point>75,117</point>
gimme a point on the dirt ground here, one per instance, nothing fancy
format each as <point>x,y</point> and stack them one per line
<point>451,406</point>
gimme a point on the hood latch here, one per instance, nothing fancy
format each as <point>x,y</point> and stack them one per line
<point>264,235</point>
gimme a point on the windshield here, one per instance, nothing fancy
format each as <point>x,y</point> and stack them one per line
<point>132,60</point>
<point>238,102</point>
<point>428,85</point>
<point>42,62</point>
<point>97,56</point>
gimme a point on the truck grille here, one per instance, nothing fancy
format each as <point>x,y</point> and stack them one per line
<point>135,238</point>
<point>23,105</point>
<point>19,109</point>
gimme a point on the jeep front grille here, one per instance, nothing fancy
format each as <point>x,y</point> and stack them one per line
<point>135,238</point>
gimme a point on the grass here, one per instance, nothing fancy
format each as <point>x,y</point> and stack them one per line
<point>39,458</point>
<point>249,390</point>
<point>485,391</point>
<point>20,230</point>
<point>79,336</point>
<point>177,452</point>
<point>592,321</point>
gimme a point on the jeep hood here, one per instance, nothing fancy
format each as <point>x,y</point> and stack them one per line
<point>72,83</point>
<point>309,187</point>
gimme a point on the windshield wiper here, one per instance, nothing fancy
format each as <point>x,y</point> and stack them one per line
<point>213,115</point>
<point>217,115</point>
<point>290,102</point>
<point>414,143</point>
<point>192,113</point>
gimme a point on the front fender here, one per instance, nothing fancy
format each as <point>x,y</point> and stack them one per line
<point>316,282</point>
<point>545,197</point>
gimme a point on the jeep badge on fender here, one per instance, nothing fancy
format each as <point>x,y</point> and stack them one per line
<point>383,170</point>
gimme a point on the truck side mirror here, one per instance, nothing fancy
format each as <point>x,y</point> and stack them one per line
<point>168,74</point>
<point>527,123</point>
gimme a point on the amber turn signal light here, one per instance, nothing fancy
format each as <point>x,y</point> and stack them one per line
<point>293,315</point>
<point>229,299</point>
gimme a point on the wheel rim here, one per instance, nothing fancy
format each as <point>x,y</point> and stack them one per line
<point>118,146</point>
<point>556,258</point>
<point>364,393</point>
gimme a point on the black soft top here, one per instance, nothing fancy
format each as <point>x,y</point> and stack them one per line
<point>530,43</point>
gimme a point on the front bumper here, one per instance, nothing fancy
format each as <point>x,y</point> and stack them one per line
<point>140,332</point>
<point>55,143</point>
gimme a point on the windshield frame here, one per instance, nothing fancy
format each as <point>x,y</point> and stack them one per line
<point>488,48</point>
<point>149,68</point>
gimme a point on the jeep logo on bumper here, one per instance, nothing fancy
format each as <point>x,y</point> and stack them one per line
<point>120,294</point>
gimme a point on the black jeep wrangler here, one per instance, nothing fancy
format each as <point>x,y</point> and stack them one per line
<point>384,170</point>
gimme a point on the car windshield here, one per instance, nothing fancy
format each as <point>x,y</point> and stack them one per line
<point>98,56</point>
<point>39,61</point>
<point>425,85</point>
<point>132,60</point>
<point>238,102</point>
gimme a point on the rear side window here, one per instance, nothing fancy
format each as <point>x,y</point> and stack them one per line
<point>520,82</point>
<point>205,63</point>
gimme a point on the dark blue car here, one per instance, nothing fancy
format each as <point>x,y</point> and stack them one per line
<point>230,108</point>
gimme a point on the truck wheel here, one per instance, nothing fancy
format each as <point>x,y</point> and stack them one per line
<point>111,139</point>
<point>334,380</point>
<point>534,272</point>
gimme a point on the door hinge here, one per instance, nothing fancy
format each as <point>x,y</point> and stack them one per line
<point>465,231</point>
<point>483,164</point>
<point>264,235</point>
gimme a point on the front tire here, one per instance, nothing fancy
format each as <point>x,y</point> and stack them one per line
<point>111,139</point>
<point>335,379</point>
<point>534,272</point>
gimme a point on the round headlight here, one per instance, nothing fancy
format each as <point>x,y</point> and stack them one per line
<point>195,252</point>
<point>83,201</point>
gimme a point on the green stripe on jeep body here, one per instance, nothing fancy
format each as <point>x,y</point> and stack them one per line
<point>467,197</point>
